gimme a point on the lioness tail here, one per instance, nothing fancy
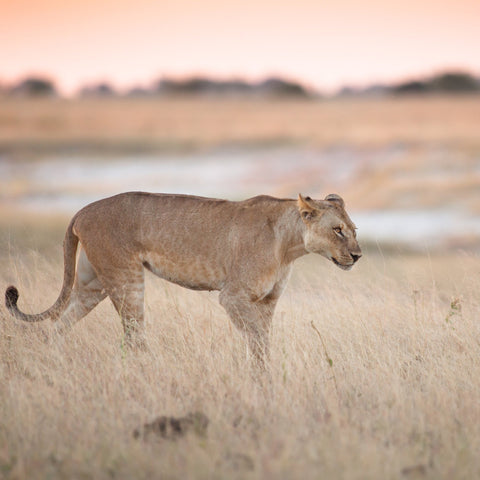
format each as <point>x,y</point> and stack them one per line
<point>69,253</point>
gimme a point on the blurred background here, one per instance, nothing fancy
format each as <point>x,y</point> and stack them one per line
<point>376,101</point>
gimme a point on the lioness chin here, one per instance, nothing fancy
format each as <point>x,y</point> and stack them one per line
<point>243,249</point>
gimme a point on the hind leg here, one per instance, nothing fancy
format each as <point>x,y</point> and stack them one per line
<point>127,290</point>
<point>87,293</point>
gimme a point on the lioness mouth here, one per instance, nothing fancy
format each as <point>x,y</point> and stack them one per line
<point>343,267</point>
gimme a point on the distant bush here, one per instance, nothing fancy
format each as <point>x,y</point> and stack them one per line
<point>202,86</point>
<point>34,87</point>
<point>455,82</point>
<point>448,82</point>
<point>412,87</point>
<point>207,86</point>
<point>190,86</point>
<point>98,90</point>
<point>281,88</point>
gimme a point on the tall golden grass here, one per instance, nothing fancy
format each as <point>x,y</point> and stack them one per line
<point>373,374</point>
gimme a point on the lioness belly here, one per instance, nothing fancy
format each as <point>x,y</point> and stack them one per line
<point>194,274</point>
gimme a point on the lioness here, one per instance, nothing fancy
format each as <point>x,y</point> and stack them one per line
<point>243,249</point>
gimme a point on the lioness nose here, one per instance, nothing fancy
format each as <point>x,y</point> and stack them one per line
<point>355,256</point>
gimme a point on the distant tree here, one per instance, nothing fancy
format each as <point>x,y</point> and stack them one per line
<point>194,85</point>
<point>202,86</point>
<point>236,87</point>
<point>447,82</point>
<point>414,86</point>
<point>102,89</point>
<point>34,87</point>
<point>207,86</point>
<point>281,88</point>
<point>455,82</point>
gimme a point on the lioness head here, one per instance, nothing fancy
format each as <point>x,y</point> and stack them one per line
<point>329,230</point>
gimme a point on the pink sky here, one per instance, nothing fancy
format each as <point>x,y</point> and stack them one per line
<point>323,43</point>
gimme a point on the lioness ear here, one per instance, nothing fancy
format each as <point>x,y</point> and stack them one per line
<point>333,197</point>
<point>306,208</point>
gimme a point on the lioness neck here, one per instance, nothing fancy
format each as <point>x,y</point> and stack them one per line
<point>291,229</point>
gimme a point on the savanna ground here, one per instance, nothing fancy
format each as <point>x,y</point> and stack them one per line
<point>179,123</point>
<point>374,373</point>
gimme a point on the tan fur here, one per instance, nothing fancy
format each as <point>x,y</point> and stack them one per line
<point>243,249</point>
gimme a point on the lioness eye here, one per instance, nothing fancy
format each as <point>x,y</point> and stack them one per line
<point>338,230</point>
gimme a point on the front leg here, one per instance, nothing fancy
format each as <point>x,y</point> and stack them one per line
<point>251,316</point>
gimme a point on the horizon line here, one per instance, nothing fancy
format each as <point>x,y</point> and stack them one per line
<point>214,77</point>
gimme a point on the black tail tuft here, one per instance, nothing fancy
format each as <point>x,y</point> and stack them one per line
<point>11,297</point>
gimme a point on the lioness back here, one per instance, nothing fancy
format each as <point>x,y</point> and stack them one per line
<point>185,239</point>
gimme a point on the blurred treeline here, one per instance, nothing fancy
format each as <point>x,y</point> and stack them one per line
<point>442,83</point>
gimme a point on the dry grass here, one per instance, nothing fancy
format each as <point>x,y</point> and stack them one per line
<point>178,123</point>
<point>374,373</point>
<point>398,398</point>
